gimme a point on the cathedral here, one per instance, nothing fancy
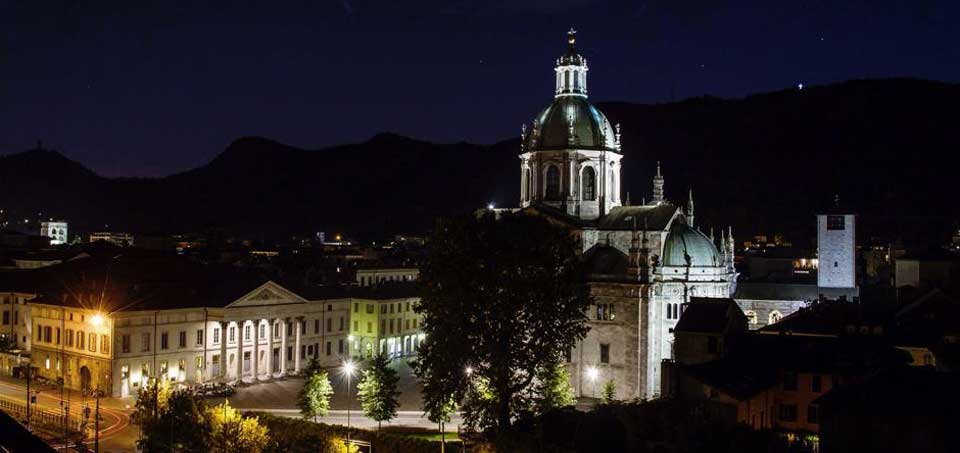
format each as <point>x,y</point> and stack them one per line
<point>646,261</point>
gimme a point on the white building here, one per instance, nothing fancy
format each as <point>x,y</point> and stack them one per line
<point>56,231</point>
<point>646,261</point>
<point>170,319</point>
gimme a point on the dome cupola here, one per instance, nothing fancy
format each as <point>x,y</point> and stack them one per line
<point>571,70</point>
<point>687,247</point>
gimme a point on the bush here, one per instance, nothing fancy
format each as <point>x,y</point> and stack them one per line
<point>289,435</point>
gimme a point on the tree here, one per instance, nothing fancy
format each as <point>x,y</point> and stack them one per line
<point>377,390</point>
<point>232,432</point>
<point>313,367</point>
<point>151,402</point>
<point>171,421</point>
<point>504,293</point>
<point>314,397</point>
<point>609,394</point>
<point>554,389</point>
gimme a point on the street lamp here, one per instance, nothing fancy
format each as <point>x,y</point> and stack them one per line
<point>592,373</point>
<point>96,320</point>
<point>348,369</point>
<point>468,370</point>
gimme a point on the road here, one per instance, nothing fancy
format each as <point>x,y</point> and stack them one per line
<point>116,433</point>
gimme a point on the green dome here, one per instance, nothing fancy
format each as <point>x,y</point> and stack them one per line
<point>552,126</point>
<point>686,246</point>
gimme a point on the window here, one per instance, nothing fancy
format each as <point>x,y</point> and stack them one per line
<point>788,412</point>
<point>81,340</point>
<point>406,324</point>
<point>553,184</point>
<point>164,340</point>
<point>216,335</point>
<point>835,222</point>
<point>391,309</point>
<point>69,340</point>
<point>105,344</point>
<point>6,317</point>
<point>57,336</point>
<point>316,326</point>
<point>789,381</point>
<point>199,337</point>
<point>39,332</point>
<point>356,307</point>
<point>355,324</point>
<point>276,330</point>
<point>383,326</point>
<point>612,184</point>
<point>391,325</point>
<point>289,328</point>
<point>589,184</point>
<point>815,383</point>
<point>605,312</point>
<point>369,327</point>
<point>775,317</point>
<point>604,353</point>
<point>383,309</point>
<point>329,324</point>
<point>48,334</point>
<point>125,342</point>
<point>340,346</point>
<point>183,338</point>
<point>328,348</point>
<point>407,307</point>
<point>263,331</point>
<point>713,345</point>
<point>341,323</point>
<point>751,317</point>
<point>813,414</point>
<point>231,332</point>
<point>145,342</point>
<point>246,333</point>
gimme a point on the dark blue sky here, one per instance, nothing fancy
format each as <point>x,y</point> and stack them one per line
<point>149,88</point>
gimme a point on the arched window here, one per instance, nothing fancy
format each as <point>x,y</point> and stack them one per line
<point>553,183</point>
<point>576,80</point>
<point>775,317</point>
<point>751,317</point>
<point>589,184</point>
<point>566,80</point>
<point>612,184</point>
<point>526,184</point>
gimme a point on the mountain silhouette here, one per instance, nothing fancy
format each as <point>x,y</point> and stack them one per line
<point>763,164</point>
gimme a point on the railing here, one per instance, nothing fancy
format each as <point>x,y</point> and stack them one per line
<point>40,417</point>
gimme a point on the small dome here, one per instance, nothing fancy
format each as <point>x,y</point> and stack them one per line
<point>686,246</point>
<point>591,128</point>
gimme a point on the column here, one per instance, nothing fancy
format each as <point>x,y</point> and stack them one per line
<point>283,346</point>
<point>271,324</point>
<point>296,345</point>
<point>224,329</point>
<point>240,326</point>
<point>256,349</point>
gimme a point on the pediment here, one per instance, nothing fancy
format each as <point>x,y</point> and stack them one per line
<point>268,293</point>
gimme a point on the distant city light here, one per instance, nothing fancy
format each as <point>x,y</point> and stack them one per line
<point>490,206</point>
<point>799,86</point>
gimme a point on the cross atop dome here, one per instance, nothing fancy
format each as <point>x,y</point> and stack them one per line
<point>571,36</point>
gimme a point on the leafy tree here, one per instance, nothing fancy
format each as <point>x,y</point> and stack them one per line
<point>479,405</point>
<point>151,402</point>
<point>313,367</point>
<point>504,293</point>
<point>314,397</point>
<point>554,389</point>
<point>609,394</point>
<point>232,432</point>
<point>377,390</point>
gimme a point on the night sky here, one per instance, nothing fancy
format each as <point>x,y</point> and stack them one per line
<point>150,88</point>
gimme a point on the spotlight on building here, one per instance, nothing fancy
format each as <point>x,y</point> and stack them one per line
<point>593,373</point>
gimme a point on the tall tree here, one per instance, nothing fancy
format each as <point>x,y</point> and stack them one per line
<point>314,397</point>
<point>554,389</point>
<point>505,294</point>
<point>377,390</point>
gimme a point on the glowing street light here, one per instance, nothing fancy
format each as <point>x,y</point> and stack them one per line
<point>468,370</point>
<point>348,369</point>
<point>592,374</point>
<point>96,320</point>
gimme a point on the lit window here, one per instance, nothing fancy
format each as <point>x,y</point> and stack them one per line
<point>553,183</point>
<point>589,184</point>
<point>775,317</point>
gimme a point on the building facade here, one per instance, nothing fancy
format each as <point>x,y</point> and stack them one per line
<point>56,231</point>
<point>645,261</point>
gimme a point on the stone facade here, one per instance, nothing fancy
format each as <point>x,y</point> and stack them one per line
<point>836,250</point>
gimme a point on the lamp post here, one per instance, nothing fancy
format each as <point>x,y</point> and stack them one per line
<point>348,368</point>
<point>592,374</point>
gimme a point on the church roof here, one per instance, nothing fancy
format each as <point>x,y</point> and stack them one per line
<point>686,246</point>
<point>649,217</point>
<point>706,315</point>
<point>591,129</point>
<point>606,263</point>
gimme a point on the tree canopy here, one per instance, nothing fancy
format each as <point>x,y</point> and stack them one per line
<point>377,390</point>
<point>314,397</point>
<point>503,294</point>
